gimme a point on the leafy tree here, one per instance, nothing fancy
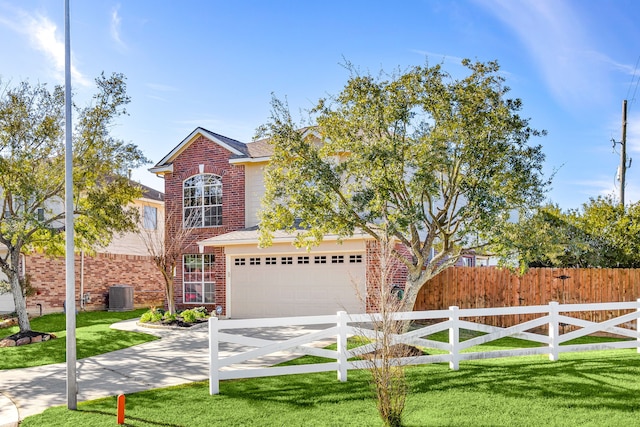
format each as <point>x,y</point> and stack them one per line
<point>32,174</point>
<point>600,234</point>
<point>429,160</point>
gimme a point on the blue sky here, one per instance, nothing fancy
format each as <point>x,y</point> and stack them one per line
<point>215,64</point>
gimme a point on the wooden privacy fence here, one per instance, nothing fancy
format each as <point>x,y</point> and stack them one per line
<point>552,318</point>
<point>478,287</point>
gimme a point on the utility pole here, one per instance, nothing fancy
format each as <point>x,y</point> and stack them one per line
<point>623,152</point>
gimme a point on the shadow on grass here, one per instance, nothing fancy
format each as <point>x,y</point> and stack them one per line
<point>141,420</point>
<point>605,382</point>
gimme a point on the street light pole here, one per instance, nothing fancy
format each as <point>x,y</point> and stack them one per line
<point>70,303</point>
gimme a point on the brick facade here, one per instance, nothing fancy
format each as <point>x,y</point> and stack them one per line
<point>205,156</point>
<point>396,272</point>
<point>47,276</point>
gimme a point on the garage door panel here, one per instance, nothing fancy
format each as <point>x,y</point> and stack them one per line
<point>295,289</point>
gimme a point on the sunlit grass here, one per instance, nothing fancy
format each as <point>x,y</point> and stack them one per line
<point>93,336</point>
<point>586,389</point>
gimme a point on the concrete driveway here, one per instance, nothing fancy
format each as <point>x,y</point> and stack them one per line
<point>178,357</point>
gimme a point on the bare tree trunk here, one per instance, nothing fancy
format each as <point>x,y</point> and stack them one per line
<point>18,293</point>
<point>169,291</point>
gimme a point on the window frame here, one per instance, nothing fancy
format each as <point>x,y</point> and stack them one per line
<point>202,281</point>
<point>149,222</point>
<point>202,200</point>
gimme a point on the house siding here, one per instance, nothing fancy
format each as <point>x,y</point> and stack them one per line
<point>255,189</point>
<point>131,243</point>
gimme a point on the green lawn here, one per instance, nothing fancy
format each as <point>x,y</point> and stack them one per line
<point>586,389</point>
<point>93,337</point>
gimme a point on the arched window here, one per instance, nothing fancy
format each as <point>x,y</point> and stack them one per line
<point>202,201</point>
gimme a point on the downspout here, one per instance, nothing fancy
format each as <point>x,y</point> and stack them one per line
<point>82,280</point>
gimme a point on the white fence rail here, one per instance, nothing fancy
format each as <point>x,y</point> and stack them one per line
<point>336,328</point>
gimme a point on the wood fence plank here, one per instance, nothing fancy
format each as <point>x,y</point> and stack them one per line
<point>477,287</point>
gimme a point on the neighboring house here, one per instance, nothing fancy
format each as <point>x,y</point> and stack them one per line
<point>124,261</point>
<point>217,183</point>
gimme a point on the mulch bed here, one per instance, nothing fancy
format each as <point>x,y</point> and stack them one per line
<point>24,338</point>
<point>397,350</point>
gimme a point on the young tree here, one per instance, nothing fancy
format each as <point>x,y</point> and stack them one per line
<point>32,175</point>
<point>386,366</point>
<point>438,162</point>
<point>167,252</point>
<point>600,234</point>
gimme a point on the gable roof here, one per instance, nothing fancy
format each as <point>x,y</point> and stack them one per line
<point>259,150</point>
<point>238,149</point>
<point>151,193</point>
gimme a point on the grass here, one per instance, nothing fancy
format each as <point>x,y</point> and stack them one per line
<point>93,336</point>
<point>586,389</point>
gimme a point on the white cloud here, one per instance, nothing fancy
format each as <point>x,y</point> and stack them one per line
<point>439,57</point>
<point>45,37</point>
<point>609,186</point>
<point>558,43</point>
<point>115,27</point>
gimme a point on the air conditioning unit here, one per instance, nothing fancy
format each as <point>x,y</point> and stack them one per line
<point>121,298</point>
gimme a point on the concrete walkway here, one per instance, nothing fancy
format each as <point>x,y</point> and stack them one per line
<point>178,357</point>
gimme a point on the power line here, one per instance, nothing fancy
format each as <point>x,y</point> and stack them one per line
<point>633,77</point>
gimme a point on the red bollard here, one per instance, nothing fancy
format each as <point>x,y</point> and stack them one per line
<point>121,409</point>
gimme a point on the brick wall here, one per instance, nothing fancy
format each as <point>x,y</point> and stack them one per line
<point>396,272</point>
<point>101,271</point>
<point>215,160</point>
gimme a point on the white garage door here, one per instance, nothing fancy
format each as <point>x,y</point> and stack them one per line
<point>296,285</point>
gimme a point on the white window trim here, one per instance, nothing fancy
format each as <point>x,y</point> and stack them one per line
<point>200,282</point>
<point>202,207</point>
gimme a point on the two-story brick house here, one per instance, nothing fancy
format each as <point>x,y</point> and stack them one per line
<point>217,182</point>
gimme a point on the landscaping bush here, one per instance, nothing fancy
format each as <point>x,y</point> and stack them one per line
<point>201,312</point>
<point>168,317</point>
<point>152,316</point>
<point>189,316</point>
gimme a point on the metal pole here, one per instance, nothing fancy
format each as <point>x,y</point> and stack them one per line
<point>623,152</point>
<point>70,304</point>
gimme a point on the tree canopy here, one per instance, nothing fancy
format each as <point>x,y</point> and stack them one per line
<point>32,173</point>
<point>418,157</point>
<point>602,233</point>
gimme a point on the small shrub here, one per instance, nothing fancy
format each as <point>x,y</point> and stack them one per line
<point>151,316</point>
<point>146,317</point>
<point>189,316</point>
<point>168,317</point>
<point>201,312</point>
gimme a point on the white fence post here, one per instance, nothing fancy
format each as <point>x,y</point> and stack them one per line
<point>554,331</point>
<point>638,326</point>
<point>214,375</point>
<point>454,339</point>
<point>342,345</point>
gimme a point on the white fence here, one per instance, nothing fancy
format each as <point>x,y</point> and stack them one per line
<point>337,327</point>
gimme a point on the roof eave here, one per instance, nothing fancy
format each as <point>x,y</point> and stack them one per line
<point>161,170</point>
<point>185,142</point>
<point>243,160</point>
<point>213,242</point>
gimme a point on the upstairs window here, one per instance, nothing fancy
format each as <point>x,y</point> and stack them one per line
<point>150,218</point>
<point>202,201</point>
